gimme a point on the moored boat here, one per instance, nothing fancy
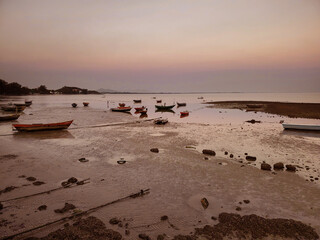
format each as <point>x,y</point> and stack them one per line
<point>161,121</point>
<point>137,101</point>
<point>160,107</point>
<point>74,105</point>
<point>28,103</point>
<point>159,101</point>
<point>121,109</point>
<point>144,111</point>
<point>9,117</point>
<point>42,127</point>
<point>184,113</point>
<point>138,109</point>
<point>85,104</point>
<point>306,127</point>
<point>13,108</point>
<point>181,104</point>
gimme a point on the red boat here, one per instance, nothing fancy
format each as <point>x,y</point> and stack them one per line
<point>184,114</point>
<point>42,127</point>
<point>139,109</point>
<point>85,104</point>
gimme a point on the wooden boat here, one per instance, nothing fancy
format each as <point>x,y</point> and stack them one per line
<point>122,104</point>
<point>28,103</point>
<point>161,121</point>
<point>307,127</point>
<point>254,105</point>
<point>9,117</point>
<point>137,101</point>
<point>184,113</point>
<point>121,109</point>
<point>42,127</point>
<point>13,108</point>
<point>164,106</point>
<point>85,104</point>
<point>74,105</point>
<point>139,108</point>
<point>159,101</point>
<point>181,104</point>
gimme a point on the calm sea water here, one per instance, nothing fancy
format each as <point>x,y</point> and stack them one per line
<point>199,112</point>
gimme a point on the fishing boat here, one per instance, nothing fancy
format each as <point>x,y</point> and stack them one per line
<point>161,121</point>
<point>184,113</point>
<point>74,105</point>
<point>139,108</point>
<point>28,103</point>
<point>13,108</point>
<point>122,104</point>
<point>9,117</point>
<point>121,109</point>
<point>159,101</point>
<point>137,101</point>
<point>42,127</point>
<point>181,104</point>
<point>85,104</point>
<point>307,127</point>
<point>160,107</point>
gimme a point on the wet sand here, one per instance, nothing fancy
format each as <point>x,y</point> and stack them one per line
<point>179,176</point>
<point>294,110</point>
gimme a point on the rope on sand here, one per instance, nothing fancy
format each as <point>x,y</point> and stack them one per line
<point>134,195</point>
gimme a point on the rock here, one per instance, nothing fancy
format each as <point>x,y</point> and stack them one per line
<point>144,236</point>
<point>38,183</point>
<point>290,168</point>
<point>7,189</point>
<point>246,201</point>
<point>206,158</point>
<point>83,160</point>
<point>204,203</point>
<point>155,150</point>
<point>72,180</point>
<point>225,153</point>
<point>160,237</point>
<point>253,121</point>
<point>214,218</point>
<point>265,166</point>
<point>246,154</point>
<point>114,221</point>
<point>278,166</point>
<point>251,158</point>
<point>208,152</point>
<point>31,179</point>
<point>231,155</point>
<point>67,207</point>
<point>164,218</point>
<point>42,207</point>
<point>238,209</point>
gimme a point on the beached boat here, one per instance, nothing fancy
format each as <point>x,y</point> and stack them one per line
<point>137,101</point>
<point>9,117</point>
<point>181,104</point>
<point>74,105</point>
<point>144,111</point>
<point>85,104</point>
<point>161,121</point>
<point>121,109</point>
<point>28,103</point>
<point>13,108</point>
<point>159,101</point>
<point>307,127</point>
<point>160,107</point>
<point>122,104</point>
<point>139,108</point>
<point>184,113</point>
<point>42,127</point>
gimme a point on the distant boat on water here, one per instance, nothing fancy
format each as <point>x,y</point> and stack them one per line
<point>85,104</point>
<point>307,127</point>
<point>159,101</point>
<point>42,127</point>
<point>181,104</point>
<point>121,109</point>
<point>137,101</point>
<point>164,107</point>
<point>184,114</point>
<point>74,105</point>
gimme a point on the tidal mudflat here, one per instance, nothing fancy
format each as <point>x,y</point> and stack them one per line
<point>253,203</point>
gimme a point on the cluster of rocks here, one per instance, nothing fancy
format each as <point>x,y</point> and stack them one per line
<point>278,166</point>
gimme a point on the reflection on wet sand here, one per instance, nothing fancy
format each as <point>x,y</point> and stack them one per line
<point>43,135</point>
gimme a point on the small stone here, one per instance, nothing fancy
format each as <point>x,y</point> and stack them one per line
<point>208,152</point>
<point>83,160</point>
<point>231,155</point>
<point>155,150</point>
<point>246,154</point>
<point>278,166</point>
<point>31,179</point>
<point>238,209</point>
<point>114,221</point>
<point>72,180</point>
<point>164,218</point>
<point>214,218</point>
<point>265,166</point>
<point>251,158</point>
<point>316,178</point>
<point>206,158</point>
<point>246,201</point>
<point>42,207</point>
<point>290,168</point>
<point>144,236</point>
<point>225,153</point>
<point>38,183</point>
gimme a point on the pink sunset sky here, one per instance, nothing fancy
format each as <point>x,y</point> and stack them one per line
<point>168,45</point>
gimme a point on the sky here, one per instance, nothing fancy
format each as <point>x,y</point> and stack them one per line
<point>162,46</point>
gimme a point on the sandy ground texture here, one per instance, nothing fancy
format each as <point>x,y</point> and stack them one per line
<point>179,176</point>
<point>295,110</point>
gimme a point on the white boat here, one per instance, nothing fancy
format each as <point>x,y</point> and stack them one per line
<point>301,127</point>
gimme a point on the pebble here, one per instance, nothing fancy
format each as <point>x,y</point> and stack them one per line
<point>155,150</point>
<point>251,158</point>
<point>265,166</point>
<point>209,152</point>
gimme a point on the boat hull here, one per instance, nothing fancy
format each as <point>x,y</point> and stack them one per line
<point>13,108</point>
<point>162,107</point>
<point>42,127</point>
<point>287,126</point>
<point>121,109</point>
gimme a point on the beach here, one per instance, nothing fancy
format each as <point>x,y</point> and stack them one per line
<point>178,176</point>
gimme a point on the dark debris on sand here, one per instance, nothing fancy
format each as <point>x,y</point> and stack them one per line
<point>84,229</point>
<point>252,226</point>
